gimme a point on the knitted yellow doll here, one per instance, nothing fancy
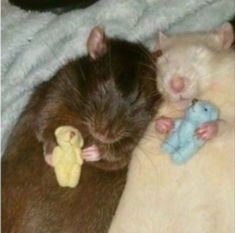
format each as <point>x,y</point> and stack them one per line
<point>66,156</point>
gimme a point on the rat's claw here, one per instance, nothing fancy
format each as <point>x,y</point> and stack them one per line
<point>48,159</point>
<point>164,124</point>
<point>91,154</point>
<point>207,131</point>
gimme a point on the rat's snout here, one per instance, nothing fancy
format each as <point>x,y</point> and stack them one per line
<point>101,134</point>
<point>104,134</point>
<point>177,84</point>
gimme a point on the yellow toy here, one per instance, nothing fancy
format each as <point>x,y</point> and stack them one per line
<point>66,156</point>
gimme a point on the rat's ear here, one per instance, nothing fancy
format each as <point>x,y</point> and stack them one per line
<point>226,35</point>
<point>97,43</point>
<point>161,42</point>
<point>156,54</point>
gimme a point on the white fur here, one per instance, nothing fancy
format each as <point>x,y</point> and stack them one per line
<point>198,197</point>
<point>192,56</point>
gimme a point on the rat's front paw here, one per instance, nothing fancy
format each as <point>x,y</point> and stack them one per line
<point>91,154</point>
<point>207,131</point>
<point>164,124</point>
<point>48,148</point>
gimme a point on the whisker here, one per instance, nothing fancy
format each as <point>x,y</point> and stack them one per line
<point>150,67</point>
<point>147,54</point>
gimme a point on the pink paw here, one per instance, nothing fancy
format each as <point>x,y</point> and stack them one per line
<point>91,154</point>
<point>47,152</point>
<point>164,124</point>
<point>207,131</point>
<point>48,159</point>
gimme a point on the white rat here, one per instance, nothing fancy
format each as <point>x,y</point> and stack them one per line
<point>189,66</point>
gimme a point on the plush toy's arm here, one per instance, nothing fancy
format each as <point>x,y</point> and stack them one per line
<point>58,155</point>
<point>79,157</point>
<point>177,124</point>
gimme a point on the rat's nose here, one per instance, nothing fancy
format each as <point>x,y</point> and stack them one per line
<point>101,134</point>
<point>177,84</point>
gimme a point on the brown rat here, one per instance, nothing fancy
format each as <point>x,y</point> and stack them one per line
<point>34,203</point>
<point>110,96</point>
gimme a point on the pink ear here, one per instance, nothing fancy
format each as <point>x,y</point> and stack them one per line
<point>162,39</point>
<point>226,35</point>
<point>97,43</point>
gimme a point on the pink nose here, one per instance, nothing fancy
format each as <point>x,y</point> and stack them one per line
<point>101,134</point>
<point>177,84</point>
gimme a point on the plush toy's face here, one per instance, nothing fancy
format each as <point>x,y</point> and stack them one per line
<point>201,112</point>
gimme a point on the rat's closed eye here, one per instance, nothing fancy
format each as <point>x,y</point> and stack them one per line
<point>135,97</point>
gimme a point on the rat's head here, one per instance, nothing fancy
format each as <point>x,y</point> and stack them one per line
<point>185,67</point>
<point>202,112</point>
<point>118,88</point>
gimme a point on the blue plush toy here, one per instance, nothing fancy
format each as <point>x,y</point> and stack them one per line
<point>182,143</point>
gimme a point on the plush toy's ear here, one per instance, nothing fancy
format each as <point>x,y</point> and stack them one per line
<point>97,43</point>
<point>226,35</point>
<point>162,40</point>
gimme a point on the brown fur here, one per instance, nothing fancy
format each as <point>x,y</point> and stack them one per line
<point>32,200</point>
<point>34,203</point>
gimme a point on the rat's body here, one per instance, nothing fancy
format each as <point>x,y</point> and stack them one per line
<point>33,202</point>
<point>196,197</point>
<point>109,97</point>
